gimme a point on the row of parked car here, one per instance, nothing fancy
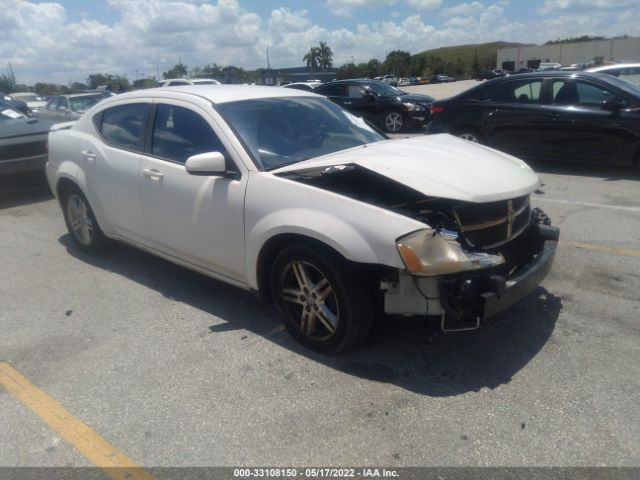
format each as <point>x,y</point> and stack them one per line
<point>581,116</point>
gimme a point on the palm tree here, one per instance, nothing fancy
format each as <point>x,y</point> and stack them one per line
<point>312,57</point>
<point>326,56</point>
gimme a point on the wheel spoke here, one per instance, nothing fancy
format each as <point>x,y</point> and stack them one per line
<point>293,296</point>
<point>86,234</point>
<point>327,317</point>
<point>323,289</point>
<point>308,323</point>
<point>301,275</point>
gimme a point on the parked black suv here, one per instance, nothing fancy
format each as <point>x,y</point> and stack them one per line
<point>575,116</point>
<point>386,106</point>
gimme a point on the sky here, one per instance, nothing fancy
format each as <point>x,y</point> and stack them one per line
<point>66,40</point>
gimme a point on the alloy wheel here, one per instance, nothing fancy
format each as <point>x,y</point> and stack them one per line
<point>393,121</point>
<point>309,297</point>
<point>80,220</point>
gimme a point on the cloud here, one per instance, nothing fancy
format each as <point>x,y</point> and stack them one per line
<point>44,43</point>
<point>425,4</point>
<point>464,9</point>
<point>345,7</point>
<point>555,6</point>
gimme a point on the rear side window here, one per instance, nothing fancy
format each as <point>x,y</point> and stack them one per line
<point>122,126</point>
<point>522,91</point>
<point>336,90</point>
<point>179,133</point>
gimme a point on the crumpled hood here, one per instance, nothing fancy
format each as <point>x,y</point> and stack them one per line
<point>440,166</point>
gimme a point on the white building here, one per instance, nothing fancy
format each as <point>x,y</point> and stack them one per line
<point>597,51</point>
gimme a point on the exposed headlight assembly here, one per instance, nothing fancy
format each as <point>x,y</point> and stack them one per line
<point>428,253</point>
<point>413,107</point>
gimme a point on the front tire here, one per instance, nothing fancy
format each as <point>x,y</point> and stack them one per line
<point>393,121</point>
<point>82,224</point>
<point>324,301</point>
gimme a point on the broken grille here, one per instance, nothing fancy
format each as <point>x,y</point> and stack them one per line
<point>489,225</point>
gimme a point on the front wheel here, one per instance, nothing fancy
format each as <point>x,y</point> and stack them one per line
<point>82,224</point>
<point>393,122</point>
<point>324,302</point>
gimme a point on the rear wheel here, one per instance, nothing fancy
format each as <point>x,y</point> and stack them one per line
<point>393,121</point>
<point>471,135</point>
<point>323,300</point>
<point>82,224</point>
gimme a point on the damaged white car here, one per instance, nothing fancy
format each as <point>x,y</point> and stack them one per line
<point>287,194</point>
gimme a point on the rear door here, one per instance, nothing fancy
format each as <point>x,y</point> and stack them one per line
<point>199,219</point>
<point>512,116</point>
<point>112,164</point>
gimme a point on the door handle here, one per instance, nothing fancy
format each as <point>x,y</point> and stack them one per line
<point>152,173</point>
<point>88,154</point>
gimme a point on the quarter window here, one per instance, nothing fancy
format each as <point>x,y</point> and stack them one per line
<point>179,133</point>
<point>122,126</point>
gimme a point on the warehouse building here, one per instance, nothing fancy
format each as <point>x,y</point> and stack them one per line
<point>595,51</point>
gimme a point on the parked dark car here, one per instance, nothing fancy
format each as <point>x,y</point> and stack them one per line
<point>384,105</point>
<point>575,116</point>
<point>19,105</point>
<point>22,141</point>
<point>491,74</point>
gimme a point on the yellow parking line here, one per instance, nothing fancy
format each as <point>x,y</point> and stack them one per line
<point>602,248</point>
<point>96,449</point>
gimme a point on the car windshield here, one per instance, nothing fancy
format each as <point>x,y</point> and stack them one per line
<point>84,103</point>
<point>385,90</point>
<point>282,131</point>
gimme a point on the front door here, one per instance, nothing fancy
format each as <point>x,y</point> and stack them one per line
<point>579,129</point>
<point>199,219</point>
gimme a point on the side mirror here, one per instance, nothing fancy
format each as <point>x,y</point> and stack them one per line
<point>210,163</point>
<point>611,105</point>
<point>369,96</point>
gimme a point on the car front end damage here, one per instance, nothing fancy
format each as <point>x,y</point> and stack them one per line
<point>479,260</point>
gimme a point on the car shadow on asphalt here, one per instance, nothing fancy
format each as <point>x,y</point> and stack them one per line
<point>608,173</point>
<point>406,352</point>
<point>23,189</point>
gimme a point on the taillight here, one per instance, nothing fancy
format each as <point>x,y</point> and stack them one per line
<point>437,109</point>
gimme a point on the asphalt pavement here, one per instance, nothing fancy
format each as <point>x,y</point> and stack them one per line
<point>175,369</point>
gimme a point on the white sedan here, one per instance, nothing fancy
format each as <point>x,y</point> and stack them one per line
<point>285,193</point>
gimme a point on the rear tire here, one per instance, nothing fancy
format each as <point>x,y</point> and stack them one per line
<point>82,224</point>
<point>471,135</point>
<point>324,302</point>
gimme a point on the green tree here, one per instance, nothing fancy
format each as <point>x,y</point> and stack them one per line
<point>179,70</point>
<point>373,68</point>
<point>8,80</point>
<point>312,58</point>
<point>325,55</point>
<point>397,63</point>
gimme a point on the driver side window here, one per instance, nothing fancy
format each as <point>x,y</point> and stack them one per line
<point>179,133</point>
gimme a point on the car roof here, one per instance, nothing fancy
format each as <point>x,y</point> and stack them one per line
<point>219,93</point>
<point>604,68</point>
<point>366,81</point>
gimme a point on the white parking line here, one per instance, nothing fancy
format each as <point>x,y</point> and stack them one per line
<point>586,204</point>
